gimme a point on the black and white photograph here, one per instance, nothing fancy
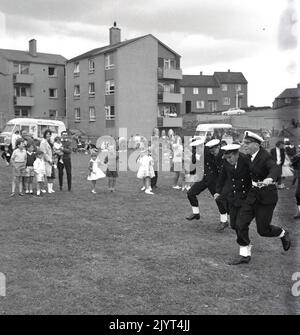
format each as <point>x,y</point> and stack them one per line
<point>150,160</point>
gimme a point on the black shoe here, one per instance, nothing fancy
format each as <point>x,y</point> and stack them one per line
<point>286,241</point>
<point>193,217</point>
<point>240,260</point>
<point>221,226</point>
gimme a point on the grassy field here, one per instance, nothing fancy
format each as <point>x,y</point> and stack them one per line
<point>131,253</point>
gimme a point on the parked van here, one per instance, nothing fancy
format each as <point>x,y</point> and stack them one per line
<point>206,131</point>
<point>34,127</point>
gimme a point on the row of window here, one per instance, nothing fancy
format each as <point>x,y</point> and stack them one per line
<point>23,68</point>
<point>25,112</point>
<point>109,64</point>
<point>24,91</point>
<point>200,104</point>
<point>109,113</point>
<point>209,90</point>
<point>109,88</point>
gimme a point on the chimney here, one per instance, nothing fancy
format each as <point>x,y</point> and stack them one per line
<point>228,70</point>
<point>32,47</point>
<point>201,73</point>
<point>298,85</point>
<point>114,34</point>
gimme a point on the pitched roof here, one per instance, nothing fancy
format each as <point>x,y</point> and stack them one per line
<point>230,77</point>
<point>24,56</point>
<point>289,93</point>
<point>198,81</point>
<point>110,48</point>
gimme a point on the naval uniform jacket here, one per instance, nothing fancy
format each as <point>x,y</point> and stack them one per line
<point>212,166</point>
<point>262,167</point>
<point>235,182</point>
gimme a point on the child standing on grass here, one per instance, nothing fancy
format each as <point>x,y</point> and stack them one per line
<point>18,161</point>
<point>40,171</point>
<point>146,170</point>
<point>95,172</point>
<point>29,169</point>
<point>112,170</point>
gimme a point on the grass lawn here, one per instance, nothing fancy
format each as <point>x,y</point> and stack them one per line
<point>131,253</point>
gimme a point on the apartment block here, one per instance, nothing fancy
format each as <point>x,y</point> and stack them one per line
<point>132,84</point>
<point>32,84</point>
<point>214,93</point>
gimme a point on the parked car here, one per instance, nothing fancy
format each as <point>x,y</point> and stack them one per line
<point>234,111</point>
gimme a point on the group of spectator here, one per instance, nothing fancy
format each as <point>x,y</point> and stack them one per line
<point>30,159</point>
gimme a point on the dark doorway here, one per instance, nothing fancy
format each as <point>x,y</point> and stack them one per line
<point>188,107</point>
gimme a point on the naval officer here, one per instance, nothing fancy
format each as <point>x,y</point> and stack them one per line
<point>213,162</point>
<point>234,180</point>
<point>261,199</point>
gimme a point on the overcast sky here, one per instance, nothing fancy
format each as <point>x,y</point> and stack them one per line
<point>256,37</point>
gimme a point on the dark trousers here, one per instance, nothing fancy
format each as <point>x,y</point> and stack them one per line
<point>263,216</point>
<point>67,165</point>
<point>199,187</point>
<point>297,194</point>
<point>233,213</point>
<point>154,179</point>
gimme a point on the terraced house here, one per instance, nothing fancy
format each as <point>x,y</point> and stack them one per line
<point>32,84</point>
<point>132,84</point>
<point>213,93</point>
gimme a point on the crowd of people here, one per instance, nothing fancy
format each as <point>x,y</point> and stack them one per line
<point>32,161</point>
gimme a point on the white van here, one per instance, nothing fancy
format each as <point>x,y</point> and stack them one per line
<point>34,127</point>
<point>208,130</point>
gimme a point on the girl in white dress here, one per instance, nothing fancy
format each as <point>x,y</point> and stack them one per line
<point>95,172</point>
<point>146,170</point>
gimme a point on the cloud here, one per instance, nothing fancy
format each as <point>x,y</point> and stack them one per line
<point>287,30</point>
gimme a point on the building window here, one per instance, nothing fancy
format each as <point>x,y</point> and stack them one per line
<point>209,90</point>
<point>287,100</point>
<point>238,87</point>
<point>91,66</point>
<point>22,91</point>
<point>195,90</point>
<point>200,104</point>
<point>91,88</point>
<point>77,91</point>
<point>109,112</point>
<point>77,114</point>
<point>52,72</point>
<point>92,113</point>
<point>182,90</point>
<point>52,92</point>
<point>21,112</point>
<point>109,87</point>
<point>76,68</point>
<point>224,87</point>
<point>169,64</point>
<point>21,68</point>
<point>226,101</point>
<point>109,62</point>
<point>53,114</point>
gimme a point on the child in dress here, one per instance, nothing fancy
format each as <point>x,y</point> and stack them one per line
<point>6,154</point>
<point>57,152</point>
<point>29,169</point>
<point>18,160</point>
<point>112,170</point>
<point>39,168</point>
<point>146,170</point>
<point>95,172</point>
